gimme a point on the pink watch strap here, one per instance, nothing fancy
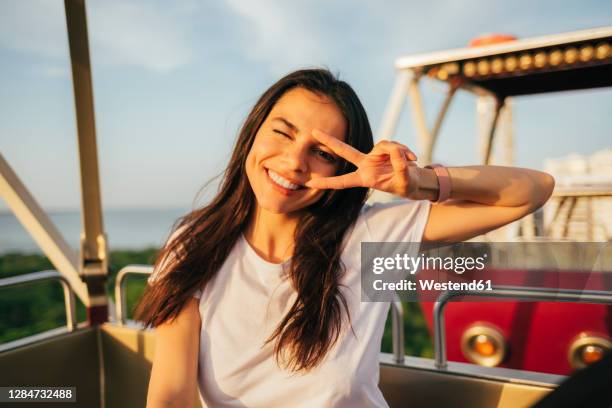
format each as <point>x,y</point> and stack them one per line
<point>444,181</point>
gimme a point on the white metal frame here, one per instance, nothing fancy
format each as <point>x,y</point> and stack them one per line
<point>87,271</point>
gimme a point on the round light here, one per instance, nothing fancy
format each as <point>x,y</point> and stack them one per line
<point>525,61</point>
<point>497,65</point>
<point>570,55</point>
<point>592,353</point>
<point>452,68</point>
<point>556,56</point>
<point>442,74</point>
<point>587,349</point>
<point>483,67</point>
<point>586,53</point>
<point>469,69</point>
<point>539,60</point>
<point>511,63</point>
<point>602,51</point>
<point>483,344</point>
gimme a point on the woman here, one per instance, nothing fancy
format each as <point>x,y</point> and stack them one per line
<point>256,296</point>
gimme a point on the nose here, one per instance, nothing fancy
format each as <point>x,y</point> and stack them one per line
<point>296,158</point>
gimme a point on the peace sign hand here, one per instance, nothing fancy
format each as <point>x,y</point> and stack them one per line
<point>385,168</point>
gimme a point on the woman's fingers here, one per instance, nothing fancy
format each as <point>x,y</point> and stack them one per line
<point>398,161</point>
<point>400,168</point>
<point>411,161</point>
<point>336,182</point>
<point>409,153</point>
<point>337,146</point>
<point>400,156</point>
<point>385,144</point>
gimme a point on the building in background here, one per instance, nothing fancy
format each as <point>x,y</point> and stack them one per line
<point>581,207</point>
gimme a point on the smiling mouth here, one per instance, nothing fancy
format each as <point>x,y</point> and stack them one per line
<point>280,181</point>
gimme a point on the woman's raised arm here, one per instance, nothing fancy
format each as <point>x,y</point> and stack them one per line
<point>174,376</point>
<point>483,198</point>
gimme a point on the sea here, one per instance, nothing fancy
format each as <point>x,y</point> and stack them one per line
<point>131,229</point>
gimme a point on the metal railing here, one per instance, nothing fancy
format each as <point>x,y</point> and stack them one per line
<point>511,292</point>
<point>71,321</point>
<point>397,311</point>
<point>397,331</point>
<point>120,301</point>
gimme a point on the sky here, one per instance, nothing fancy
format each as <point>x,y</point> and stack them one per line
<point>173,81</point>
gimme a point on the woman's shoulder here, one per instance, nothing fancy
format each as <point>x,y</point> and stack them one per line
<point>396,220</point>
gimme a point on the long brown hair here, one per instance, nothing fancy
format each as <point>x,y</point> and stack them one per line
<point>204,237</point>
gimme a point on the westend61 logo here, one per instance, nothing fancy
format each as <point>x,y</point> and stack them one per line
<point>412,264</point>
<point>421,272</point>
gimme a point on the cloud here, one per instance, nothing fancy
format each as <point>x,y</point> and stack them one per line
<point>316,32</point>
<point>35,26</point>
<point>147,35</point>
<point>140,34</point>
<point>52,71</point>
<point>284,34</point>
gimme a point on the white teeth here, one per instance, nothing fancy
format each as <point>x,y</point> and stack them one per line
<point>282,181</point>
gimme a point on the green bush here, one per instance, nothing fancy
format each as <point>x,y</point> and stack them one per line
<point>37,307</point>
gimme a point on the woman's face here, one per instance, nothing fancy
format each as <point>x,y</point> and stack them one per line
<point>284,154</point>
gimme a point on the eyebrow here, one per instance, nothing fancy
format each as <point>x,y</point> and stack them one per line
<point>286,122</point>
<point>295,129</point>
